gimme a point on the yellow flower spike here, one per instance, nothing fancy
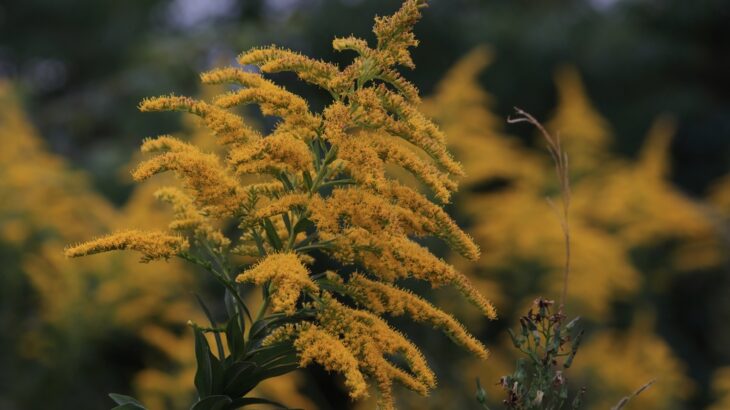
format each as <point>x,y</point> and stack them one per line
<point>188,217</point>
<point>405,87</point>
<point>272,99</point>
<point>415,128</point>
<point>358,45</point>
<point>215,191</point>
<point>358,207</point>
<point>387,149</point>
<point>395,32</point>
<point>279,152</point>
<point>164,143</point>
<point>383,298</point>
<point>654,158</point>
<point>273,59</point>
<point>385,253</point>
<point>315,345</point>
<point>405,212</point>
<point>585,134</point>
<point>402,258</point>
<point>232,75</point>
<point>281,205</point>
<point>383,110</point>
<point>288,276</point>
<point>443,226</point>
<point>372,340</point>
<point>153,245</point>
<point>228,127</point>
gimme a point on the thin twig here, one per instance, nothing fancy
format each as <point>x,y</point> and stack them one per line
<point>624,401</point>
<point>560,158</point>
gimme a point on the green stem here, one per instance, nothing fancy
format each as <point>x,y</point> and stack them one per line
<point>323,170</point>
<point>262,309</point>
<point>259,315</point>
<point>306,248</point>
<point>338,182</point>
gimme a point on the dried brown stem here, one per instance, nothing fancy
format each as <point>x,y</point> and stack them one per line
<point>624,401</point>
<point>560,158</point>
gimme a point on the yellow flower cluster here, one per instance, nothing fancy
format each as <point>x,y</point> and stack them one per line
<point>325,182</point>
<point>616,203</point>
<point>214,190</point>
<point>620,362</point>
<point>228,127</point>
<point>384,298</point>
<point>287,276</point>
<point>721,389</point>
<point>619,209</point>
<point>77,304</point>
<point>189,218</point>
<point>315,345</point>
<point>584,133</point>
<point>153,245</point>
<point>372,341</point>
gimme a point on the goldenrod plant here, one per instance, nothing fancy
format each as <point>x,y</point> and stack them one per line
<point>324,192</point>
<point>71,309</point>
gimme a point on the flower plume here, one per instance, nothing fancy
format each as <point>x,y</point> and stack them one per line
<point>322,187</point>
<point>153,245</point>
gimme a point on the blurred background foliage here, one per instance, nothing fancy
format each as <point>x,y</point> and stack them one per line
<point>638,90</point>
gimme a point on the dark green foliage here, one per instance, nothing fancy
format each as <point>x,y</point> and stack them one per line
<point>550,345</point>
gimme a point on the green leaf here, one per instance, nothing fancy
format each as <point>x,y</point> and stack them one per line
<point>512,336</point>
<point>217,370</point>
<point>122,399</point>
<point>129,406</point>
<point>572,323</point>
<point>234,337</point>
<point>276,371</point>
<point>219,343</point>
<point>257,329</point>
<point>302,225</point>
<point>285,180</point>
<point>232,300</point>
<point>574,349</point>
<point>286,357</point>
<point>240,378</point>
<point>481,395</point>
<point>204,372</point>
<point>271,234</point>
<point>287,221</point>
<point>264,355</point>
<point>217,402</point>
<point>307,180</point>
<point>126,402</point>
